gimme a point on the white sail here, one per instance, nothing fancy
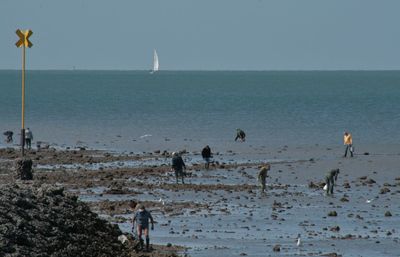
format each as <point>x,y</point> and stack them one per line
<point>156,65</point>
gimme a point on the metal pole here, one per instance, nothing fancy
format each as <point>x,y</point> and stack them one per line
<point>23,103</point>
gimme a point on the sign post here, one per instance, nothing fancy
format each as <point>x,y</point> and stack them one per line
<point>23,42</point>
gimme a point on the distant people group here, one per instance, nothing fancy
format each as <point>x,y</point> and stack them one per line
<point>28,137</point>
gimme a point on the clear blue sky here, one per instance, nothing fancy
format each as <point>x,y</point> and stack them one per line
<point>203,34</point>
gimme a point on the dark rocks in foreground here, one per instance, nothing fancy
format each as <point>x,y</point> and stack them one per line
<point>23,169</point>
<point>43,221</point>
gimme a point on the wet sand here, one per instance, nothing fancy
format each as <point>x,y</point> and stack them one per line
<point>221,211</point>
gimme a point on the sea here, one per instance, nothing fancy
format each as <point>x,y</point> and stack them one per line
<point>136,111</point>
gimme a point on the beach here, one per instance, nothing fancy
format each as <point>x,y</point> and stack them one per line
<point>221,211</point>
<point>108,137</point>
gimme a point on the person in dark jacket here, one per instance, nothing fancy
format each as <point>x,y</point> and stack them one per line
<point>240,135</point>
<point>141,218</point>
<point>330,179</point>
<point>206,154</point>
<point>178,165</point>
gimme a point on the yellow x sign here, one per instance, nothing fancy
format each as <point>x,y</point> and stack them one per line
<point>24,38</point>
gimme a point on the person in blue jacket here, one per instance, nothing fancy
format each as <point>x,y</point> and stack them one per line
<point>142,218</point>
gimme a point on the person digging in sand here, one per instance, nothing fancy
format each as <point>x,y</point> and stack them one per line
<point>178,165</point>
<point>330,179</point>
<point>9,136</point>
<point>240,135</point>
<point>141,218</point>
<point>262,176</point>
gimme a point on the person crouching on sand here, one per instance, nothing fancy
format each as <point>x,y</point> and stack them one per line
<point>348,142</point>
<point>262,176</point>
<point>178,165</point>
<point>240,135</point>
<point>141,218</point>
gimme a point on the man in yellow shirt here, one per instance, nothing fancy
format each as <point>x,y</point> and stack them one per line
<point>348,142</point>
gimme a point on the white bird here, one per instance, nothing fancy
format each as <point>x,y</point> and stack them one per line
<point>122,239</point>
<point>298,241</point>
<point>369,200</point>
<point>161,201</point>
<point>147,135</point>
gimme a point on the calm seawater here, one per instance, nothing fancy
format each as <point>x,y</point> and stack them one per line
<point>119,110</point>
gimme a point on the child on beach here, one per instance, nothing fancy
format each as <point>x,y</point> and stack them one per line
<point>141,218</point>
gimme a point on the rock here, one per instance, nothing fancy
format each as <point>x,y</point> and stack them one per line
<point>335,229</point>
<point>384,190</point>
<point>388,214</point>
<point>277,248</point>
<point>23,169</point>
<point>332,214</point>
<point>346,185</point>
<point>44,221</point>
<point>316,185</point>
<point>370,181</point>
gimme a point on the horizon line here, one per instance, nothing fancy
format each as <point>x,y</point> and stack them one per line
<point>204,70</point>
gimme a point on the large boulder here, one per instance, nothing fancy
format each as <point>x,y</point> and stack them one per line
<point>45,221</point>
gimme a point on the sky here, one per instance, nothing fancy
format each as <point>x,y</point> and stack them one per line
<point>203,34</point>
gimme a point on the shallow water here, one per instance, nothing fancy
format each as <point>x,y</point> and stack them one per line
<point>243,222</point>
<point>136,111</point>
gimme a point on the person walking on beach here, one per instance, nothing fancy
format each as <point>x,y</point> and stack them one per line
<point>330,179</point>
<point>178,165</point>
<point>141,218</point>
<point>28,138</point>
<point>9,136</point>
<point>240,135</point>
<point>348,142</point>
<point>206,154</point>
<point>262,176</point>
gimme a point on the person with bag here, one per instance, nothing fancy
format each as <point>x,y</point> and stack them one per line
<point>330,179</point>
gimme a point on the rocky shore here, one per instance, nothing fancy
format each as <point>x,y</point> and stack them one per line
<point>220,211</point>
<point>43,220</point>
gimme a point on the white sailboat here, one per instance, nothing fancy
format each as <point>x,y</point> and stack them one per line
<point>156,64</point>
